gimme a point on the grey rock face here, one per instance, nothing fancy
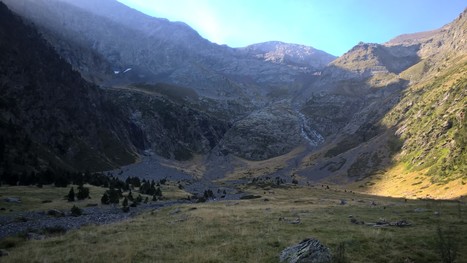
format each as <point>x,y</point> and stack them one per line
<point>171,129</point>
<point>308,251</point>
<point>264,134</point>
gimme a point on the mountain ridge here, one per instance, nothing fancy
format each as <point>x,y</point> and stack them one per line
<point>267,100</point>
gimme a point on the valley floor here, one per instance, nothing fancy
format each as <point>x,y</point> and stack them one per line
<point>256,230</point>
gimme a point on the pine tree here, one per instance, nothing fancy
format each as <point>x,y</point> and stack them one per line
<point>71,195</point>
<point>125,207</point>
<point>125,202</point>
<point>83,192</point>
<point>158,192</point>
<point>76,211</point>
<point>105,200</point>
<point>114,196</point>
<point>130,196</point>
<point>139,199</point>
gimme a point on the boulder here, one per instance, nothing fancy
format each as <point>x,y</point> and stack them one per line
<point>309,250</point>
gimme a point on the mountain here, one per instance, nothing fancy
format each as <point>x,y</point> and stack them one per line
<point>376,118</point>
<point>155,50</point>
<point>131,48</point>
<point>407,101</point>
<point>430,117</point>
<point>51,118</point>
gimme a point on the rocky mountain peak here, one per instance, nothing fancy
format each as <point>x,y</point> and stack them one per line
<point>377,58</point>
<point>292,54</point>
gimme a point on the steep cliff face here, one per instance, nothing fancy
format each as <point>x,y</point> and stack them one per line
<point>172,126</point>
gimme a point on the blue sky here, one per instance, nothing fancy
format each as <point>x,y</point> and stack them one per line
<point>334,26</point>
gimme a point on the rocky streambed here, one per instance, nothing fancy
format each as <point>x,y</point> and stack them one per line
<point>36,223</point>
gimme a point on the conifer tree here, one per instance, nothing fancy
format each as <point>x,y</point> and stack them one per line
<point>71,195</point>
<point>83,193</point>
<point>105,200</point>
<point>130,196</point>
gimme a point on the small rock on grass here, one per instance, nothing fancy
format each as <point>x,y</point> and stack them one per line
<point>309,250</point>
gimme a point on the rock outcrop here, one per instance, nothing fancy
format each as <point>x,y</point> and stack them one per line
<point>264,134</point>
<point>309,250</point>
<point>299,56</point>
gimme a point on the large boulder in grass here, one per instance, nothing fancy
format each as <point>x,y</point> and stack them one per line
<point>309,250</point>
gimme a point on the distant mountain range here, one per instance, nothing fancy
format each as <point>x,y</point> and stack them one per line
<point>113,83</point>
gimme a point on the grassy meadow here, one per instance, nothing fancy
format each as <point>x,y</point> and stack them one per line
<point>256,230</point>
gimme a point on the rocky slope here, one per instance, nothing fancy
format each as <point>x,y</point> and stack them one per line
<point>263,134</point>
<point>50,118</point>
<point>49,115</point>
<point>170,126</point>
<point>401,103</point>
<point>430,117</point>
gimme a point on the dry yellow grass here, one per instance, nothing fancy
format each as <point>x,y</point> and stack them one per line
<point>398,182</point>
<point>251,169</point>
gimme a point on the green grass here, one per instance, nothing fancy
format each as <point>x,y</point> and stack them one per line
<point>250,230</point>
<point>51,197</point>
<point>45,198</point>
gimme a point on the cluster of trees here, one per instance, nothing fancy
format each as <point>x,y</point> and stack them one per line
<point>111,196</point>
<point>268,181</point>
<point>61,179</point>
<point>83,193</point>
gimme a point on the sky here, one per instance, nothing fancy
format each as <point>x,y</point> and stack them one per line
<point>334,26</point>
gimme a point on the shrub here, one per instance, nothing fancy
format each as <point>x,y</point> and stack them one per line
<point>76,211</point>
